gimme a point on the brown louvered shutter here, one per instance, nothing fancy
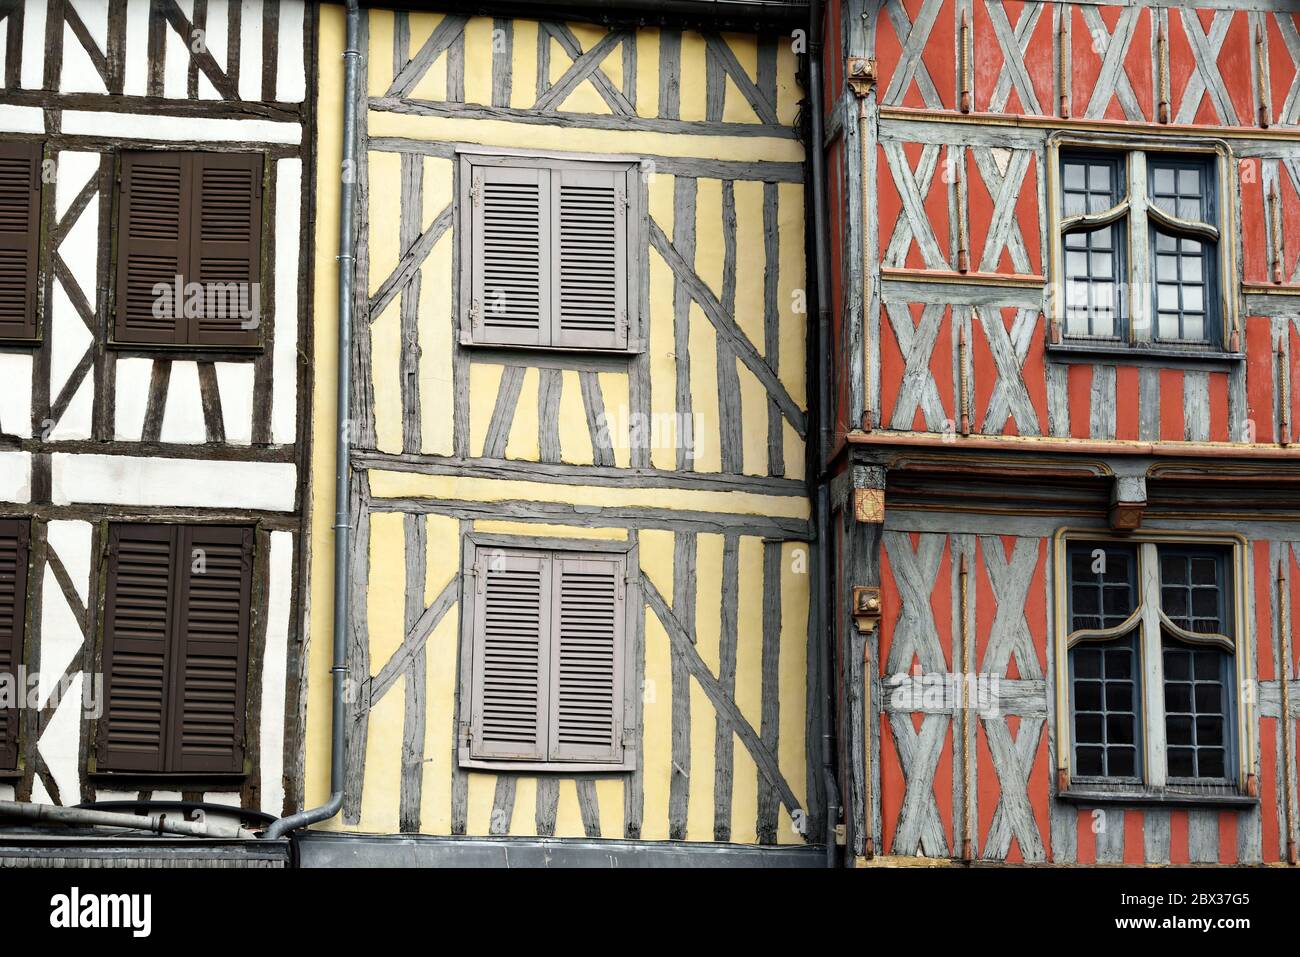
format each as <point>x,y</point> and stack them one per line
<point>225,247</point>
<point>153,245</point>
<point>586,694</point>
<point>214,568</point>
<point>590,262</point>
<point>510,677</point>
<point>13,614</point>
<point>510,297</point>
<point>20,226</point>
<point>138,608</point>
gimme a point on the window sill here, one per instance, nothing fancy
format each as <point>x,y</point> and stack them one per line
<point>11,774</point>
<point>1166,353</point>
<point>171,780</point>
<point>185,350</point>
<point>543,767</point>
<point>1169,797</point>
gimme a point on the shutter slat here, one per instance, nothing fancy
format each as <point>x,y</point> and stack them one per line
<point>212,647</point>
<point>137,604</point>
<point>226,248</point>
<point>590,298</point>
<point>586,695</point>
<point>152,246</point>
<point>20,221</point>
<point>510,667</point>
<point>13,613</point>
<point>510,230</point>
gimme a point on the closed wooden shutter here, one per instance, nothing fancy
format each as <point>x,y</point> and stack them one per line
<point>510,228</point>
<point>176,625</point>
<point>20,224</point>
<point>586,700</point>
<point>215,577</point>
<point>13,614</point>
<point>512,606</point>
<point>153,247</point>
<point>225,247</point>
<point>138,607</point>
<point>590,259</point>
<point>547,668</point>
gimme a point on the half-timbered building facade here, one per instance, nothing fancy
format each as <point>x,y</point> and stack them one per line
<point>580,583</point>
<point>155,211</point>
<point>1067,311</point>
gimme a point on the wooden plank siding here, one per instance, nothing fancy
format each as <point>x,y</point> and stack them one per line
<point>96,433</point>
<point>686,452</point>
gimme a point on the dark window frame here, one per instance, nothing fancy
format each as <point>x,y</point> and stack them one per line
<point>1222,336</point>
<point>478,545</point>
<point>1119,246</point>
<point>173,703</point>
<point>1129,638</point>
<point>262,260</point>
<point>1152,633</point>
<point>1213,317</point>
<point>1227,681</point>
<point>631,338</point>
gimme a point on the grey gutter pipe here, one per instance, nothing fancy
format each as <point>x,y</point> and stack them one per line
<point>156,822</point>
<point>822,507</point>
<point>343,444</point>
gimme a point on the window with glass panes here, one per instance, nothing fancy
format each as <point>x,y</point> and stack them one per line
<point>1139,246</point>
<point>1094,245</point>
<point>1151,648</point>
<point>1103,596</point>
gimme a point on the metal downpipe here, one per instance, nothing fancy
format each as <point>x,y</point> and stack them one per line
<point>822,279</point>
<point>343,446</point>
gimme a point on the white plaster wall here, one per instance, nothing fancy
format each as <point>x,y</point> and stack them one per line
<point>183,413</point>
<point>16,393</point>
<point>290,77</point>
<point>67,339</point>
<point>218,24</point>
<point>78,74</point>
<point>15,476</point>
<point>172,128</point>
<point>33,74</point>
<point>250,50</point>
<point>131,399</point>
<point>59,742</point>
<point>21,119</point>
<point>61,636</point>
<point>176,59</point>
<point>136,81</point>
<point>235,383</point>
<point>138,480</point>
<point>288,234</point>
<point>275,669</point>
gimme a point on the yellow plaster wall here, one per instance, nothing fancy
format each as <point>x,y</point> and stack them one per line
<point>481,791</point>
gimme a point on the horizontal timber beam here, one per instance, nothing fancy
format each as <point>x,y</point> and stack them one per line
<point>564,474</point>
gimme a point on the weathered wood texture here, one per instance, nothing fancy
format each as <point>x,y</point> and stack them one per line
<point>687,451</point>
<point>88,82</point>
